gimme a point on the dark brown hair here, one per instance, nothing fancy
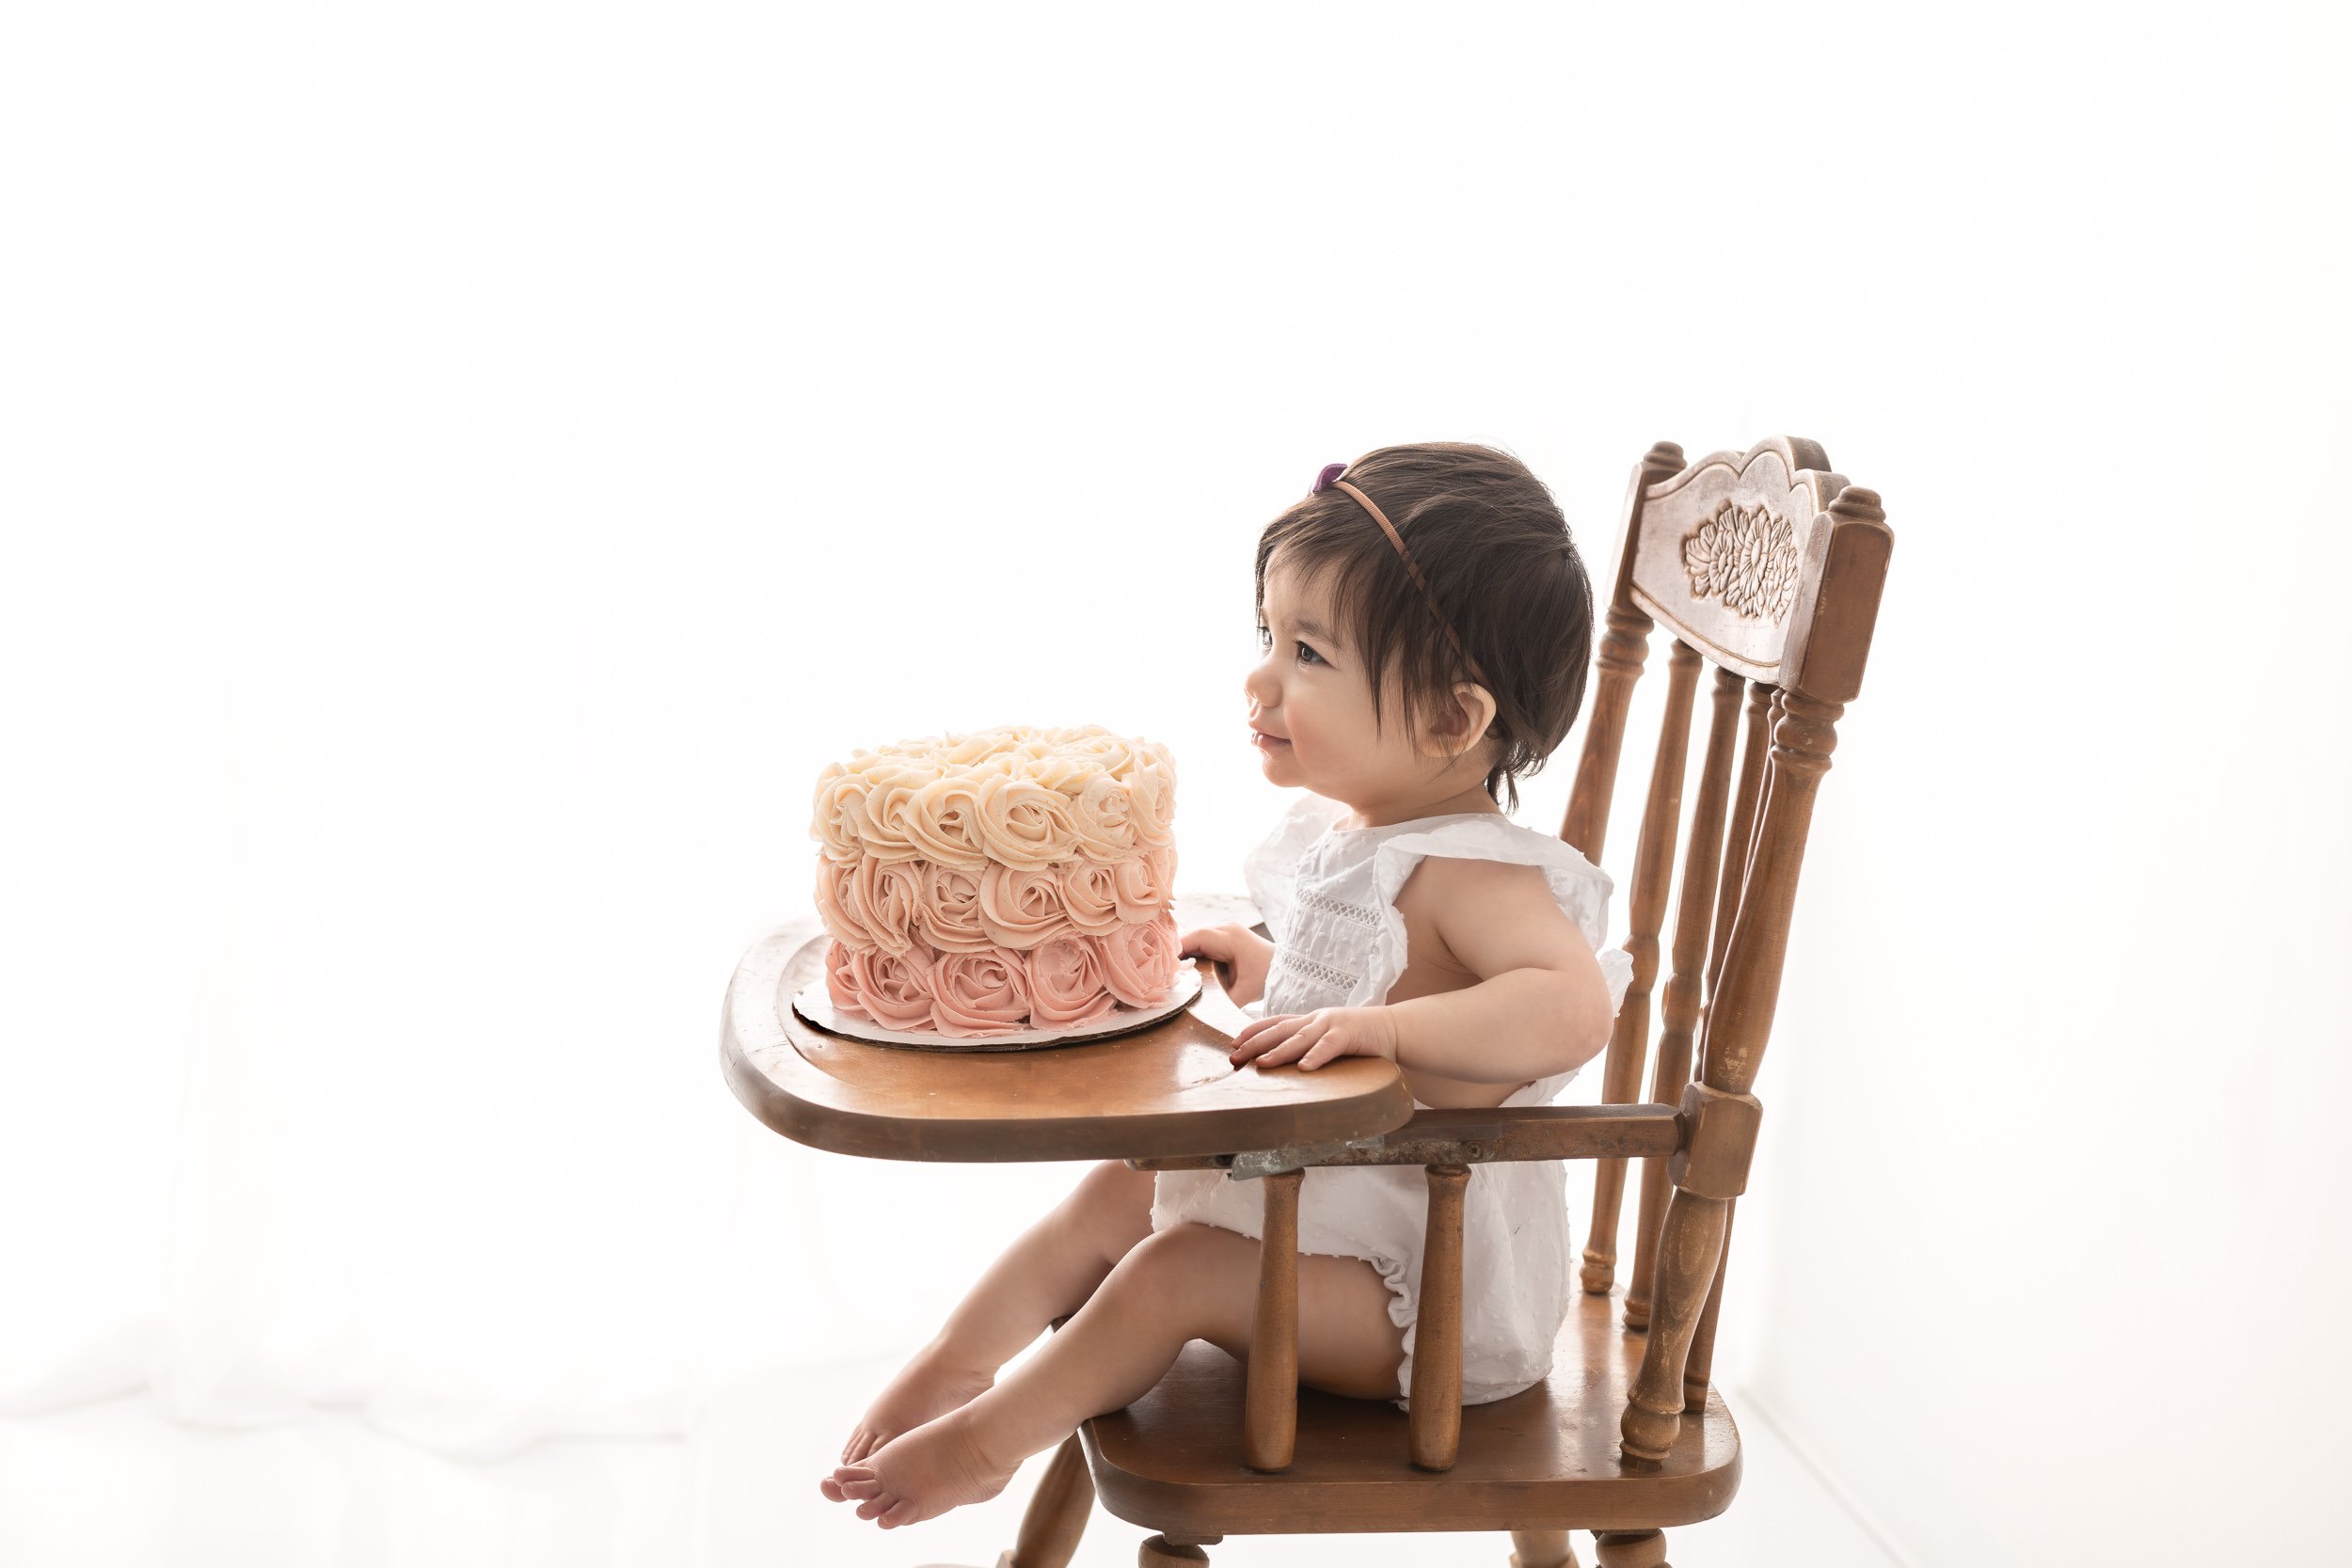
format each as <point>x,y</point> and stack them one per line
<point>1504,570</point>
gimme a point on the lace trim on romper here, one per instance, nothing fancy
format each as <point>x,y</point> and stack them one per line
<point>1337,950</point>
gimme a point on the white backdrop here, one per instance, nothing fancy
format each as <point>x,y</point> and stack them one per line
<point>467,469</point>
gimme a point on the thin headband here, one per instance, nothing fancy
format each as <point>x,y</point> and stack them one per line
<point>1329,479</point>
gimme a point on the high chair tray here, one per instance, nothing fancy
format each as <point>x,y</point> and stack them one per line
<point>1166,1089</point>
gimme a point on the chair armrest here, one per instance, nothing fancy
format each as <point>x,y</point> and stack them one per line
<point>1466,1136</point>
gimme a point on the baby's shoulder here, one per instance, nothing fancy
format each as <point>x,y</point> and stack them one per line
<point>1440,885</point>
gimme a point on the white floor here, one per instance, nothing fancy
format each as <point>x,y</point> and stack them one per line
<point>112,1485</point>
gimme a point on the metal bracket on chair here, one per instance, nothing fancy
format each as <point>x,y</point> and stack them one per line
<point>1270,1162</point>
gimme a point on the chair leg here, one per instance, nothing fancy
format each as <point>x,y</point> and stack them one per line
<point>1057,1511</point>
<point>1629,1548</point>
<point>1160,1552</point>
<point>1542,1548</point>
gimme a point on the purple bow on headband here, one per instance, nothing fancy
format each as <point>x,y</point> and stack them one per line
<point>1322,480</point>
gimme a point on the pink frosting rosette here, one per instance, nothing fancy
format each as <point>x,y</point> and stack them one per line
<point>1089,897</point>
<point>836,904</point>
<point>841,980</point>
<point>1021,823</point>
<point>979,993</point>
<point>1066,983</point>
<point>1139,960</point>
<point>948,908</point>
<point>895,988</point>
<point>1142,883</point>
<point>883,897</point>
<point>1021,909</point>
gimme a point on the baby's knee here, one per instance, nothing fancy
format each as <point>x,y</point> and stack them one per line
<point>1192,1274</point>
<point>1111,1208</point>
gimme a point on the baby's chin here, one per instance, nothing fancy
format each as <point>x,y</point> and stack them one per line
<point>1280,768</point>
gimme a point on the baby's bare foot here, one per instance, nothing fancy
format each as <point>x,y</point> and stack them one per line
<point>922,1474</point>
<point>926,1388</point>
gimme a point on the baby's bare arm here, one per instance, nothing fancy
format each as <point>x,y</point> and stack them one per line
<point>1541,1004</point>
<point>1249,954</point>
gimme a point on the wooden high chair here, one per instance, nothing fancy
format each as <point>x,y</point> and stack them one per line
<point>1767,566</point>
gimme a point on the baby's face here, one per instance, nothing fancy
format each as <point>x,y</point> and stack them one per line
<point>1311,690</point>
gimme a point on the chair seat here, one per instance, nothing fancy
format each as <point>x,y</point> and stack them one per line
<point>1545,1458</point>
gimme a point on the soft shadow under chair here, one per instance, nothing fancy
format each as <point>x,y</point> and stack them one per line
<point>1767,566</point>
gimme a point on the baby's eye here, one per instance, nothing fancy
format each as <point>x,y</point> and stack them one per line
<point>1264,637</point>
<point>1307,655</point>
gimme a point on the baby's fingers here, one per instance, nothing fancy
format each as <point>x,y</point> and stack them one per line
<point>1208,941</point>
<point>1262,1035</point>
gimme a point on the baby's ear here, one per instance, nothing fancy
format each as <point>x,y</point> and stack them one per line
<point>1463,722</point>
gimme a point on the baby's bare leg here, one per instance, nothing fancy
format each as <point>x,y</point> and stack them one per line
<point>1048,1271</point>
<point>1188,1282</point>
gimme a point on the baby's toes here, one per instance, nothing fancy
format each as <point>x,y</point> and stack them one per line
<point>855,1483</point>
<point>904,1513</point>
<point>832,1489</point>
<point>874,1508</point>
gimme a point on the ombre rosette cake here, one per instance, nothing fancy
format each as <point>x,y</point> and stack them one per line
<point>998,882</point>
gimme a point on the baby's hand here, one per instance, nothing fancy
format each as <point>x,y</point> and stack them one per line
<point>1313,1039</point>
<point>1241,954</point>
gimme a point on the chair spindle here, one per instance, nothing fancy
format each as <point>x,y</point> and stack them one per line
<point>1623,648</point>
<point>1679,1011</point>
<point>1700,1368</point>
<point>1541,1548</point>
<point>1739,845</point>
<point>1270,1398</point>
<point>1434,1420</point>
<point>1712,1168</point>
<point>1653,879</point>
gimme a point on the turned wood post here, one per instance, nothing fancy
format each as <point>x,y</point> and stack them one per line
<point>1700,1367</point>
<point>1435,1419</point>
<point>1653,881</point>
<point>1541,1548</point>
<point>1629,1548</point>
<point>1830,638</point>
<point>1056,1515</point>
<point>1739,845</point>
<point>1623,648</point>
<point>1679,1011</point>
<point>1270,1400</point>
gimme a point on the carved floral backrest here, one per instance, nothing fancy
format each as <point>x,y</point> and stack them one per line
<point>1766,565</point>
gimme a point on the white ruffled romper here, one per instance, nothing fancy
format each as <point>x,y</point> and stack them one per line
<point>1328,896</point>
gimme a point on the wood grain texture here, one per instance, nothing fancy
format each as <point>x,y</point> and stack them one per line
<point>1679,1010</point>
<point>1541,1548</point>
<point>1165,1090</point>
<point>1470,1135</point>
<point>1653,881</point>
<point>1057,1515</point>
<point>1623,647</point>
<point>1543,1459</point>
<point>1434,1429</point>
<point>1631,1548</point>
<point>1270,1412</point>
<point>1699,1366</point>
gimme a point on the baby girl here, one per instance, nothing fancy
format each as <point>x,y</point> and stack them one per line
<point>1427,624</point>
